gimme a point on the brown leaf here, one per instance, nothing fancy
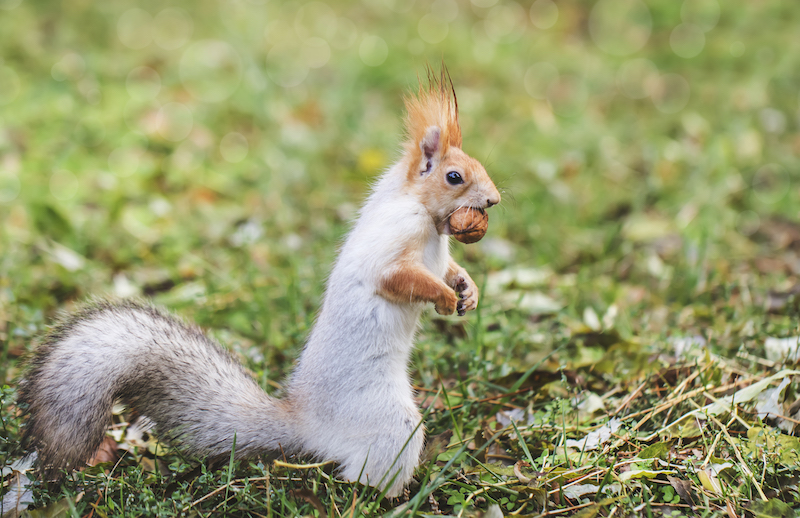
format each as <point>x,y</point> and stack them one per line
<point>777,301</point>
<point>518,471</point>
<point>771,265</point>
<point>107,452</point>
<point>312,499</point>
<point>683,488</point>
<point>781,233</point>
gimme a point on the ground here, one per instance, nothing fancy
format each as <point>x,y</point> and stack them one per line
<point>640,278</point>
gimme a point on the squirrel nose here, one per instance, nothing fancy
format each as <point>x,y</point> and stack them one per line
<point>489,203</point>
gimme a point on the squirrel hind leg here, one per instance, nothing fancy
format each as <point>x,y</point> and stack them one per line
<point>382,466</point>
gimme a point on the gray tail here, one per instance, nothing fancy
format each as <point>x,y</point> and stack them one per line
<point>191,388</point>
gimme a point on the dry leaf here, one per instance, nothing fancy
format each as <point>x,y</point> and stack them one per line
<point>106,452</point>
<point>683,488</point>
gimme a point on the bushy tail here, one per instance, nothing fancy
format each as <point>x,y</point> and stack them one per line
<point>191,388</point>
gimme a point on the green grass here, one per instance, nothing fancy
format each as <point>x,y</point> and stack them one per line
<point>643,202</point>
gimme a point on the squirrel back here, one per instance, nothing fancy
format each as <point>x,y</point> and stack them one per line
<point>349,398</point>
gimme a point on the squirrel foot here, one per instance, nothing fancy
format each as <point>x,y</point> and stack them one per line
<point>447,303</point>
<point>467,293</point>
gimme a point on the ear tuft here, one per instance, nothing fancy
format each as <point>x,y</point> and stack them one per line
<point>430,143</point>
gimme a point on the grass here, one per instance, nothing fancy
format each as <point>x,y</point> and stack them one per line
<point>212,157</point>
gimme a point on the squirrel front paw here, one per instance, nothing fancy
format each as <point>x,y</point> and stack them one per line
<point>467,293</point>
<point>447,303</point>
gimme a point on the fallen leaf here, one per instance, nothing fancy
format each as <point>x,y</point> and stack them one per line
<point>724,404</point>
<point>708,478</point>
<point>519,277</point>
<point>578,490</point>
<point>658,450</point>
<point>769,404</point>
<point>782,349</point>
<point>683,488</point>
<point>106,452</point>
<point>518,472</point>
<point>643,473</point>
<point>772,508</point>
<point>596,438</point>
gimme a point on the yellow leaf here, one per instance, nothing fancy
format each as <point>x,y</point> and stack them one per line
<point>709,481</point>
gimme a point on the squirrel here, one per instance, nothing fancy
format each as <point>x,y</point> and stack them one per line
<point>349,399</point>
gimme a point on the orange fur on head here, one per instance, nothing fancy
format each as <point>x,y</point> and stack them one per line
<point>435,106</point>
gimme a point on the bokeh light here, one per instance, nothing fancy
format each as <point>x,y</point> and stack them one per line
<point>373,50</point>
<point>125,161</point>
<point>505,23</point>
<point>702,13</point>
<point>670,92</point>
<point>399,6</point>
<point>748,222</point>
<point>633,77</point>
<point>483,3</point>
<point>63,184</point>
<point>233,147</point>
<point>315,52</point>
<point>687,40</point>
<point>175,121</point>
<point>544,13</point>
<point>284,66</point>
<point>538,79</point>
<point>771,183</point>
<point>143,83</point>
<point>9,85</point>
<point>568,95</point>
<point>211,70</point>
<point>142,116</point>
<point>346,34</point>
<point>10,185</point>
<point>71,66</point>
<point>432,28</point>
<point>315,19</point>
<point>772,120</point>
<point>172,28</point>
<point>737,49</point>
<point>90,131</point>
<point>445,10</point>
<point>135,28</point>
<point>620,27</point>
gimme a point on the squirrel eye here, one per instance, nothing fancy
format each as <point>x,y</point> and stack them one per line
<point>453,178</point>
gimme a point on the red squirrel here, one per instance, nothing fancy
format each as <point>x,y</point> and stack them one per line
<point>349,398</point>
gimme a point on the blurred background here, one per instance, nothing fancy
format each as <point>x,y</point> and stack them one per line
<point>211,155</point>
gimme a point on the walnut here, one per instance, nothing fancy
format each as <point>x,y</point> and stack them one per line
<point>469,225</point>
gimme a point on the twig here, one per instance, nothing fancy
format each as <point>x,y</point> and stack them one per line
<point>484,400</point>
<point>282,464</point>
<point>681,399</point>
<point>711,450</point>
<point>573,482</point>
<point>629,398</point>
<point>569,509</point>
<point>755,359</point>
<point>222,488</point>
<point>739,456</point>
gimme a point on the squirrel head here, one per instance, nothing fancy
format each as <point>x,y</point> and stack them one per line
<point>439,172</point>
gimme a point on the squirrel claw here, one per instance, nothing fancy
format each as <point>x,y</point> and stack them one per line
<point>467,294</point>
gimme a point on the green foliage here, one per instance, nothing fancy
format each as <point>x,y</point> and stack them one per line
<point>211,155</point>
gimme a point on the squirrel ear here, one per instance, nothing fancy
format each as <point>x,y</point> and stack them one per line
<point>430,143</point>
